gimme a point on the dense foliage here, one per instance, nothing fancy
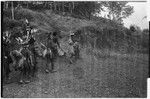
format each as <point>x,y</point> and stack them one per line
<point>98,32</point>
<point>118,10</point>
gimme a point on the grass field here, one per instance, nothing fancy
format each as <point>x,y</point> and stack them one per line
<point>96,74</point>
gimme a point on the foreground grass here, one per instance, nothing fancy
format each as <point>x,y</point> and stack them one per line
<point>123,74</point>
<point>94,75</point>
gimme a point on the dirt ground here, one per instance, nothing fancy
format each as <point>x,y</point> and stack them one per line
<point>92,76</point>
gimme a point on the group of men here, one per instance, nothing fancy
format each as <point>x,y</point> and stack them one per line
<point>52,45</point>
<point>17,51</point>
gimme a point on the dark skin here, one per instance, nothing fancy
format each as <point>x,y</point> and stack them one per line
<point>76,47</point>
<point>32,49</point>
<point>7,59</point>
<point>52,40</point>
<point>54,37</point>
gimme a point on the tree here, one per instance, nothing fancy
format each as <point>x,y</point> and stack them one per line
<point>12,9</point>
<point>146,31</point>
<point>87,9</point>
<point>118,10</point>
<point>135,28</point>
<point>6,5</point>
<point>132,28</point>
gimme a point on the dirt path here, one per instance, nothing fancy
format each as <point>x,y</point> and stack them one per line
<point>59,84</point>
<point>88,77</point>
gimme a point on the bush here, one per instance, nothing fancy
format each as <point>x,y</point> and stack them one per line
<point>119,39</point>
<point>24,13</point>
<point>19,14</point>
<point>10,24</point>
<point>145,41</point>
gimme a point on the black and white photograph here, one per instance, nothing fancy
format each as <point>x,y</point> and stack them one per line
<point>74,49</point>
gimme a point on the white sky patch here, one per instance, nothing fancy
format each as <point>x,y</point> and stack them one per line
<point>137,17</point>
<point>128,23</point>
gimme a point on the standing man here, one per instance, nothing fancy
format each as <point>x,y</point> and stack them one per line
<point>56,42</point>
<point>6,57</point>
<point>52,45</point>
<point>28,29</point>
<point>75,46</point>
<point>30,41</point>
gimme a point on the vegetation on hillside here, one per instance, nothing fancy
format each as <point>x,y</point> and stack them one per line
<point>117,10</point>
<point>99,32</point>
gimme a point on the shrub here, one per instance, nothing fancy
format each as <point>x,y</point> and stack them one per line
<point>10,24</point>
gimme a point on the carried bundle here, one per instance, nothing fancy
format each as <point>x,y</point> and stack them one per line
<point>66,48</point>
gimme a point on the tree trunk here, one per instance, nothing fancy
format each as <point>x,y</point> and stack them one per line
<point>55,7</point>
<point>12,9</point>
<point>6,5</point>
<point>45,4</point>
<point>51,6</point>
<point>70,8</point>
<point>73,6</point>
<point>62,6</point>
<point>27,5</point>
<point>95,42</point>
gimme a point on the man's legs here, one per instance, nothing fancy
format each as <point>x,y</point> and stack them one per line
<point>53,58</point>
<point>34,62</point>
